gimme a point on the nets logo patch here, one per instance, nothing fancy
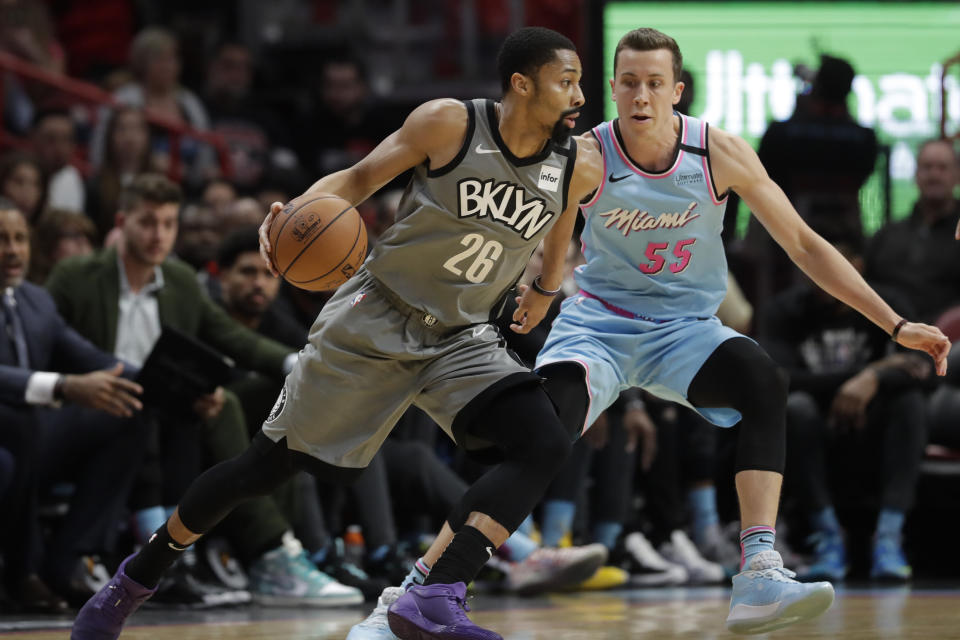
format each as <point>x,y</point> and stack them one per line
<point>549,178</point>
<point>682,179</point>
<point>278,405</point>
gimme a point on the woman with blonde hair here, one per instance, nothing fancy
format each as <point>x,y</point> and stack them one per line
<point>155,63</point>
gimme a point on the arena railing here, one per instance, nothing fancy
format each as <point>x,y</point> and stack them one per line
<point>87,93</point>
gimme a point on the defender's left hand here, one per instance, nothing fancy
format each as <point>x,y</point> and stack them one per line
<point>924,337</point>
<point>531,308</point>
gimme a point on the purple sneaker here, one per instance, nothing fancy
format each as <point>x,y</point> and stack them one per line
<point>102,617</point>
<point>435,612</point>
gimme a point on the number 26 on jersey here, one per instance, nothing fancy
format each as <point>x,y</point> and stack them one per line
<point>476,261</point>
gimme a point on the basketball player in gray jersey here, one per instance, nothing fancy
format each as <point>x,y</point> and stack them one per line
<point>491,180</point>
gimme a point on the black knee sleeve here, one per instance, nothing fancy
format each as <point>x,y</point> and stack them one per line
<point>740,375</point>
<point>524,426</point>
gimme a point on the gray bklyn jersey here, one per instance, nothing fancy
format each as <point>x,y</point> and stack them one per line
<point>465,231</point>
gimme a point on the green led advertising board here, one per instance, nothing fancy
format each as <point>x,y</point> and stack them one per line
<point>742,57</point>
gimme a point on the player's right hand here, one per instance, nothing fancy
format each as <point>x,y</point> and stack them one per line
<point>924,337</point>
<point>104,390</point>
<point>531,309</point>
<point>265,248</point>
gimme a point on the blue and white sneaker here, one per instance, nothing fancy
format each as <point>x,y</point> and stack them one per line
<point>829,561</point>
<point>376,626</point>
<point>766,597</point>
<point>889,563</point>
<point>285,577</point>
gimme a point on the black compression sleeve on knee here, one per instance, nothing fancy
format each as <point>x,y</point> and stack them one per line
<point>523,424</point>
<point>740,375</point>
<point>566,384</point>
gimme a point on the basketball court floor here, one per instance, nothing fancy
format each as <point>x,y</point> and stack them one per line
<point>929,612</point>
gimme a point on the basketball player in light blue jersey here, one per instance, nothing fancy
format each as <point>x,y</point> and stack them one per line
<point>654,277</point>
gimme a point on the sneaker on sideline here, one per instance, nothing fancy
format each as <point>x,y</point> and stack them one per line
<point>285,577</point>
<point>549,569</point>
<point>680,550</point>
<point>889,562</point>
<point>829,559</point>
<point>715,546</point>
<point>646,567</point>
<point>181,586</point>
<point>766,597</point>
<point>603,579</point>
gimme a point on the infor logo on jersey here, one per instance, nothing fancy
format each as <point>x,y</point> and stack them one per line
<point>549,178</point>
<point>505,202</point>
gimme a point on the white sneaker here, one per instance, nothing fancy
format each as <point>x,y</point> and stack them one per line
<point>549,569</point>
<point>680,550</point>
<point>647,567</point>
<point>285,577</point>
<point>375,626</point>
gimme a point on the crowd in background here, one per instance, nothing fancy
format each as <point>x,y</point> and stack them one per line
<point>110,234</point>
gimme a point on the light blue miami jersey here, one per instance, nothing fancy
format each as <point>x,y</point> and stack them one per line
<point>652,240</point>
<point>655,274</point>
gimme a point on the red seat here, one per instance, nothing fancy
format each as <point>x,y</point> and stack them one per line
<point>949,323</point>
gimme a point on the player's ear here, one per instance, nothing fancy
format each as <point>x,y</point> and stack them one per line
<point>521,83</point>
<point>613,90</point>
<point>677,91</point>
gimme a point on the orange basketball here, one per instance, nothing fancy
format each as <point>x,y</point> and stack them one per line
<point>318,241</point>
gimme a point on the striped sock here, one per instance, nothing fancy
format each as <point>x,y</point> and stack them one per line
<point>753,540</point>
<point>418,574</point>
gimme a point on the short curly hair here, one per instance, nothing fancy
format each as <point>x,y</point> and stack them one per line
<point>526,50</point>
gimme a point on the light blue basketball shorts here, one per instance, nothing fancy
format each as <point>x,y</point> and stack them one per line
<point>619,352</point>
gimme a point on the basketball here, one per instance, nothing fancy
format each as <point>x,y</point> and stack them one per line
<point>318,241</point>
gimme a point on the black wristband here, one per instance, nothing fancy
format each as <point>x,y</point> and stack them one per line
<point>896,329</point>
<point>544,292</point>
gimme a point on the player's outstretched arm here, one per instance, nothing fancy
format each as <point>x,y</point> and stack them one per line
<point>737,167</point>
<point>433,131</point>
<point>587,175</point>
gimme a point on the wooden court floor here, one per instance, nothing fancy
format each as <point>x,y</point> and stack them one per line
<point>657,614</point>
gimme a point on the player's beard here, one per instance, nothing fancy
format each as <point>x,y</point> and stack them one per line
<point>561,132</point>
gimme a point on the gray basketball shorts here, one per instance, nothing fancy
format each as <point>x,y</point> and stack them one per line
<point>369,357</point>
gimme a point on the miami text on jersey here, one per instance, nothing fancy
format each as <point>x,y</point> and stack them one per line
<point>637,220</point>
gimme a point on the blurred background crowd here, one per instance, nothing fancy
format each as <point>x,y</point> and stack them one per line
<point>141,145</point>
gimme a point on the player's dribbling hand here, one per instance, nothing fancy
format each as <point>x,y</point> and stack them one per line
<point>924,337</point>
<point>531,308</point>
<point>265,248</point>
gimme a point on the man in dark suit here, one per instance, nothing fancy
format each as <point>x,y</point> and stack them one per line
<point>92,441</point>
<point>119,299</point>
